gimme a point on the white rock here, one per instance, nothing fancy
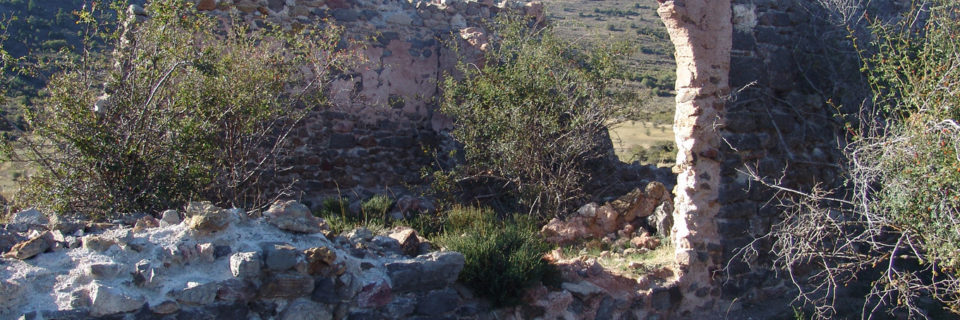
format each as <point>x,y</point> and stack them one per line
<point>246,264</point>
<point>23,220</point>
<point>30,216</point>
<point>169,218</point>
<point>106,300</point>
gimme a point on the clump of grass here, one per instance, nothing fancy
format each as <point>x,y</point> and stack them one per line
<point>429,226</point>
<point>373,214</point>
<point>502,257</point>
<point>376,207</point>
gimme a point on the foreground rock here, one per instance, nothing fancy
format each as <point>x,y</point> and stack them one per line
<point>294,216</point>
<point>217,264</point>
<point>28,219</point>
<point>32,247</point>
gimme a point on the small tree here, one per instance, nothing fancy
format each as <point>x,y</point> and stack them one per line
<point>533,117</point>
<point>186,107</point>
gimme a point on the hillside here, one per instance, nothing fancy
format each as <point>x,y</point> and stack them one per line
<point>650,69</point>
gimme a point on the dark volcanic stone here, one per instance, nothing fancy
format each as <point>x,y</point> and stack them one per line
<point>287,285</point>
<point>342,141</point>
<point>324,291</point>
<point>438,302</point>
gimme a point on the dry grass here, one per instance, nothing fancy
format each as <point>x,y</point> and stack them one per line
<point>623,261</point>
<point>631,135</point>
<point>11,173</point>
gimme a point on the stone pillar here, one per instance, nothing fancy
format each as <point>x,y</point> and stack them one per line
<point>701,32</point>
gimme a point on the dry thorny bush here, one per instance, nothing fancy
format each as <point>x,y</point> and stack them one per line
<point>893,222</point>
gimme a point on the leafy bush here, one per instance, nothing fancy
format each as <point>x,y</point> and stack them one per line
<point>533,117</point>
<point>185,108</point>
<point>896,218</point>
<point>502,257</point>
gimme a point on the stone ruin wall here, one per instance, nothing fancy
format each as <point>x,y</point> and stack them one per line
<point>754,84</point>
<point>748,97</point>
<point>382,116</point>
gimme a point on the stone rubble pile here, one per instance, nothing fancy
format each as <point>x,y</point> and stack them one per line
<point>622,220</point>
<point>208,262</point>
<point>219,263</point>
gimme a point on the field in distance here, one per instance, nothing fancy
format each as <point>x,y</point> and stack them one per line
<point>651,69</point>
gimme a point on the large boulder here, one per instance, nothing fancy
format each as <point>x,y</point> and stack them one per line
<point>246,264</point>
<point>294,216</point>
<point>662,219</point>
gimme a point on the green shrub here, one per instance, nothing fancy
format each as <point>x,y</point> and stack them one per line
<point>916,75</point>
<point>185,108</point>
<point>502,258</point>
<point>376,206</point>
<point>663,152</point>
<point>334,206</point>
<point>533,117</point>
<point>896,215</point>
<point>427,225</point>
<point>54,44</point>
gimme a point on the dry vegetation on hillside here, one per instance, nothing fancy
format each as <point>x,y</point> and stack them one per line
<point>650,68</point>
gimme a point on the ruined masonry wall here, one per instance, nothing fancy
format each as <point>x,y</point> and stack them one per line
<point>383,113</point>
<point>755,102</point>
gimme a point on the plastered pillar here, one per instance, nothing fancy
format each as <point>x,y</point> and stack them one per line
<point>701,32</point>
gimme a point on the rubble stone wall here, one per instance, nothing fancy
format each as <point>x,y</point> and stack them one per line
<point>767,79</point>
<point>382,114</point>
<point>778,125</point>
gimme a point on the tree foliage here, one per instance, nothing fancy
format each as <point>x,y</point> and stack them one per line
<point>186,107</point>
<point>533,116</point>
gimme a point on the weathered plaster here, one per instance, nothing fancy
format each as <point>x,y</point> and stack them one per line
<point>701,31</point>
